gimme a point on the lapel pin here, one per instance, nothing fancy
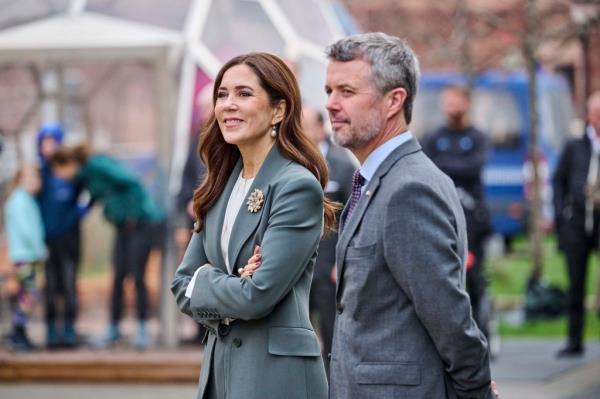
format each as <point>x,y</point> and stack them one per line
<point>255,201</point>
<point>368,193</point>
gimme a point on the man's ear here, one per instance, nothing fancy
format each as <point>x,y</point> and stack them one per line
<point>395,100</point>
<point>279,112</point>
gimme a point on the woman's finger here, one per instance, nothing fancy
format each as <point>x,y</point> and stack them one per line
<point>252,266</point>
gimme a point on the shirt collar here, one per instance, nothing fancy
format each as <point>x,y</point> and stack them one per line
<point>593,136</point>
<point>376,158</point>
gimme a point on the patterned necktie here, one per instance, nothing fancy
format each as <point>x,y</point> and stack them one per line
<point>357,183</point>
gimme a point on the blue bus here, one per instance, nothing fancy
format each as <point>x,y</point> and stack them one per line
<point>499,108</point>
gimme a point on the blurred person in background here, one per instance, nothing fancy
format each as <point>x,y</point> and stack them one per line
<point>576,187</point>
<point>26,249</point>
<point>193,171</point>
<point>61,214</point>
<point>339,187</point>
<point>130,208</point>
<point>460,150</point>
<point>192,175</point>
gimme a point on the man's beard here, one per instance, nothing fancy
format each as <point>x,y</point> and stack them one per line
<point>355,139</point>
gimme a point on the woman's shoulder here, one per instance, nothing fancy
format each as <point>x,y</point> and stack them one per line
<point>295,175</point>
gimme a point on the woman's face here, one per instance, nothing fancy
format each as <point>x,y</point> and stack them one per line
<point>243,108</point>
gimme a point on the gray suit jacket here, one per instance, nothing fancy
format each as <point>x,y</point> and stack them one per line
<point>404,327</point>
<point>271,350</point>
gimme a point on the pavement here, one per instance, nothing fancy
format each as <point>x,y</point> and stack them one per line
<point>525,369</point>
<point>529,369</point>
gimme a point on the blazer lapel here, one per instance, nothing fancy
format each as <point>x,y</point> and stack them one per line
<point>349,227</point>
<point>246,222</point>
<point>214,220</point>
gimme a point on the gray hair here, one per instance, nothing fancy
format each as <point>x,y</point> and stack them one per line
<point>393,62</point>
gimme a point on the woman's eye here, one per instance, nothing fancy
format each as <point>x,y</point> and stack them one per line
<point>221,94</point>
<point>245,94</point>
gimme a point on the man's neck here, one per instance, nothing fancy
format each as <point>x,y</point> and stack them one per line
<point>388,132</point>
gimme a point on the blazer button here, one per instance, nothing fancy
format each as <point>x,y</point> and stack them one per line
<point>237,342</point>
<point>340,308</point>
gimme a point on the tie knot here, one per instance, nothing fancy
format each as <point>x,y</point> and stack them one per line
<point>357,179</point>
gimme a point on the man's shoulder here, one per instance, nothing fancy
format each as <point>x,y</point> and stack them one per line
<point>415,168</point>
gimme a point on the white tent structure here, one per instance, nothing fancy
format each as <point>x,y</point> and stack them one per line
<point>174,39</point>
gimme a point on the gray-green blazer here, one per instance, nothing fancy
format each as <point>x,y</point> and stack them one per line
<point>271,350</point>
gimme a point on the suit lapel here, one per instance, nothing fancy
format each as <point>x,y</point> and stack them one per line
<point>215,217</point>
<point>349,227</point>
<point>246,222</point>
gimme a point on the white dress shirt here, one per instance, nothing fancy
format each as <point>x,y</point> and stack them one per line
<point>236,201</point>
<point>376,158</point>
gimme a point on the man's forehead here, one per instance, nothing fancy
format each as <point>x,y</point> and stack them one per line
<point>346,72</point>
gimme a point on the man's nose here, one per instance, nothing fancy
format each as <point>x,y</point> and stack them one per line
<point>332,104</point>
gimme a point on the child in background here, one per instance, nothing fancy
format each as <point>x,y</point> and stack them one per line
<point>26,248</point>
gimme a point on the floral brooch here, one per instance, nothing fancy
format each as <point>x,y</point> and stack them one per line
<point>255,201</point>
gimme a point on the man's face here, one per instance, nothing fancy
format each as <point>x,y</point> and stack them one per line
<point>455,104</point>
<point>354,103</point>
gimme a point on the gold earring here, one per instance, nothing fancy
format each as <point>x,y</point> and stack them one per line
<point>274,131</point>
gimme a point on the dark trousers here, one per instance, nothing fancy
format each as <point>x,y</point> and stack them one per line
<point>577,251</point>
<point>322,307</point>
<point>61,277</point>
<point>133,243</point>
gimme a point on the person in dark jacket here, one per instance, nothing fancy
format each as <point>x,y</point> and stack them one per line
<point>61,214</point>
<point>339,187</point>
<point>577,216</point>
<point>192,175</point>
<point>460,150</point>
<point>129,207</point>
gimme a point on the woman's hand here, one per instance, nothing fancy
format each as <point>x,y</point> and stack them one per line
<point>253,264</point>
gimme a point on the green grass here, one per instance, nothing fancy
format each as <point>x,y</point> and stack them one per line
<point>509,273</point>
<point>508,276</point>
<point>551,328</point>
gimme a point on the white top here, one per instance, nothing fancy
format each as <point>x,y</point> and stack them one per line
<point>376,158</point>
<point>236,201</point>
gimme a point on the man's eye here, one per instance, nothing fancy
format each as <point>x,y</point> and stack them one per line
<point>347,92</point>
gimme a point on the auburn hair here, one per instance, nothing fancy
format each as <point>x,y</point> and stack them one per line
<point>220,157</point>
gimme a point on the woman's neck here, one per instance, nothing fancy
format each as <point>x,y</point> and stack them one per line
<point>253,157</point>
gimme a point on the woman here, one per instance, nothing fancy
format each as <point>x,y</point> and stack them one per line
<point>263,187</point>
<point>129,207</point>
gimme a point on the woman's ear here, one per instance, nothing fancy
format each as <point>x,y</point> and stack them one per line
<point>279,112</point>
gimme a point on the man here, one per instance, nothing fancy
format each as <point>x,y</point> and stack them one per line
<point>341,167</point>
<point>460,151</point>
<point>403,326</point>
<point>577,215</point>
